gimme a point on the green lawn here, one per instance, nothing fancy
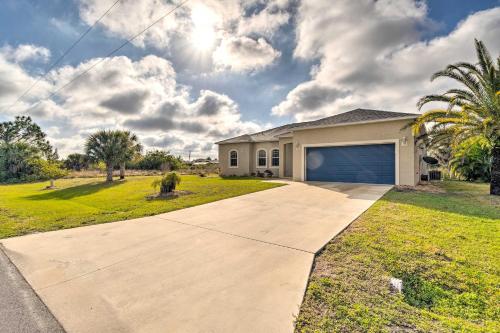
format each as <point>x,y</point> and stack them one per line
<point>445,247</point>
<point>29,208</point>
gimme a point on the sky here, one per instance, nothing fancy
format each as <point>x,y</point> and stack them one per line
<point>214,69</point>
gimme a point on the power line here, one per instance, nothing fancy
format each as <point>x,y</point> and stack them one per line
<point>110,53</point>
<point>63,55</point>
<point>128,41</point>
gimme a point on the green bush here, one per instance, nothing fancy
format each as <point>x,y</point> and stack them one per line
<point>168,183</point>
<point>472,159</point>
<point>25,153</point>
<point>156,160</point>
<point>19,164</point>
<point>46,170</point>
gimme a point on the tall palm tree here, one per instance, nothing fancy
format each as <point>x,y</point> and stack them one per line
<point>106,146</point>
<point>473,110</point>
<point>130,148</point>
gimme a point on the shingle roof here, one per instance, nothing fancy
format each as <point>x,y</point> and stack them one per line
<point>353,116</point>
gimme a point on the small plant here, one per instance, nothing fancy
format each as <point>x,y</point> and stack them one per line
<point>268,173</point>
<point>168,183</point>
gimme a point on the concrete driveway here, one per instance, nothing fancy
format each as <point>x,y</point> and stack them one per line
<point>236,265</point>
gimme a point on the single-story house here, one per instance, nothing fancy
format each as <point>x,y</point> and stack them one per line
<point>358,146</point>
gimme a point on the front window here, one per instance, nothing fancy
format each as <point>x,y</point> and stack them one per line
<point>233,159</point>
<point>275,158</point>
<point>262,158</point>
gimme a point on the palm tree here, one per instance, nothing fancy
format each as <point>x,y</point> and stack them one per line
<point>106,146</point>
<point>473,110</point>
<point>130,148</point>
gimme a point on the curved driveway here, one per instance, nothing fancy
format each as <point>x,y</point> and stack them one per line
<point>236,265</point>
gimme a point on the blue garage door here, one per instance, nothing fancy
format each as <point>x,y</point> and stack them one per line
<point>352,164</point>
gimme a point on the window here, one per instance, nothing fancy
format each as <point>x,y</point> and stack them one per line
<point>262,158</point>
<point>233,159</point>
<point>275,158</point>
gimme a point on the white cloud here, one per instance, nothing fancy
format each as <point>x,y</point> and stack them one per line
<point>242,54</point>
<point>14,80</point>
<point>25,52</point>
<point>371,55</point>
<point>221,26</point>
<point>267,21</point>
<point>141,95</point>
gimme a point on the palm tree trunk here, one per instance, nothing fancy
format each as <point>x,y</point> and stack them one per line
<point>109,172</point>
<point>495,171</point>
<point>122,170</point>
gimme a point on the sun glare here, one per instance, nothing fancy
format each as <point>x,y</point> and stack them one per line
<point>203,33</point>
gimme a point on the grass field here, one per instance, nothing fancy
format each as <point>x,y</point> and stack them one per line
<point>29,208</point>
<point>444,246</point>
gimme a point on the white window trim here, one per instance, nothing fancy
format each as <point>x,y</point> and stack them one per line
<point>257,159</point>
<point>237,159</point>
<point>350,143</point>
<point>279,155</point>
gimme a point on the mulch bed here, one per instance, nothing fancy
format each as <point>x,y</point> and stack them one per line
<point>171,195</point>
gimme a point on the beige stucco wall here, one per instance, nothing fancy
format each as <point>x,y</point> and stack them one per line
<point>267,146</point>
<point>247,158</point>
<point>244,159</point>
<point>364,133</point>
<point>282,143</point>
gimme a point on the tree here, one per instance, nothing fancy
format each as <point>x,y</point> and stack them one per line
<point>23,149</point>
<point>47,169</point>
<point>15,161</point>
<point>24,131</point>
<point>106,146</point>
<point>130,148</point>
<point>76,162</point>
<point>473,110</point>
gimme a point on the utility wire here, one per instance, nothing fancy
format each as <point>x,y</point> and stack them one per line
<point>109,54</point>
<point>63,55</point>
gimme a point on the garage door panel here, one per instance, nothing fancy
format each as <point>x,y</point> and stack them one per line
<point>356,164</point>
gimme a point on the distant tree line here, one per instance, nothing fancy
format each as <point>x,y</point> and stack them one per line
<point>27,155</point>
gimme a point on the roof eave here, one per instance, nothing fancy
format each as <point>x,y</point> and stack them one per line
<point>355,123</point>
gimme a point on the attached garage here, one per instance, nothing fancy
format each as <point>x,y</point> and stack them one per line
<point>363,163</point>
<point>357,146</point>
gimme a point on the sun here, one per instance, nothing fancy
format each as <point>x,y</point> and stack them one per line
<point>203,32</point>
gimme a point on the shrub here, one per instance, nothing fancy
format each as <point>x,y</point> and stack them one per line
<point>19,163</point>
<point>47,169</point>
<point>158,160</point>
<point>472,159</point>
<point>168,183</point>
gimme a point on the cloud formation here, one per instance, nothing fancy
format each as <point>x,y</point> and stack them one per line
<point>238,28</point>
<point>128,102</point>
<point>242,54</point>
<point>25,52</point>
<point>378,61</point>
<point>141,95</point>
